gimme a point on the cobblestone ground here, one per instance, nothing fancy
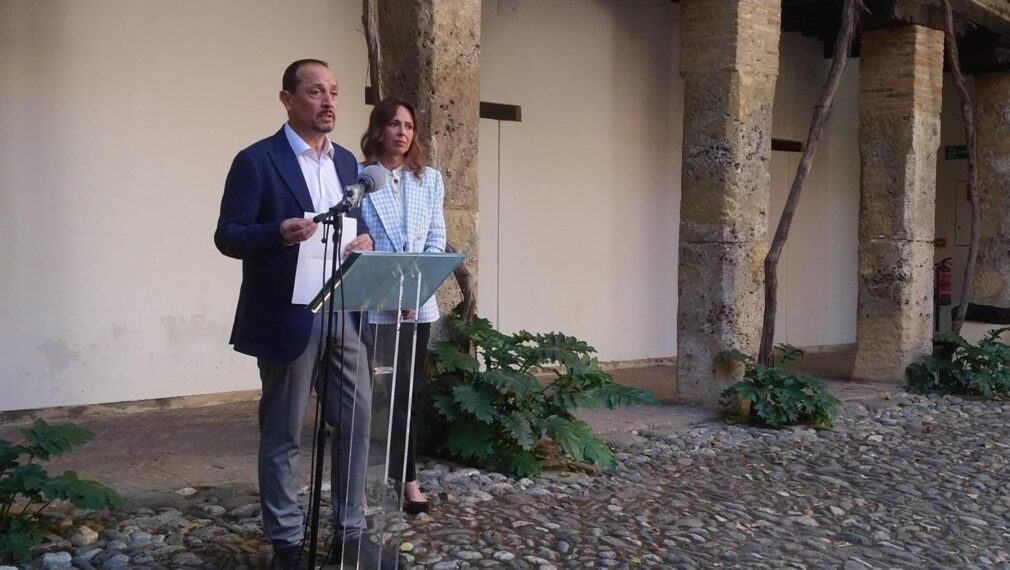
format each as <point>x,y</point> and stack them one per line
<point>917,483</point>
<point>902,483</point>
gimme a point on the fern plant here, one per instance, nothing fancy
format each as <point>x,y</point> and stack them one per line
<point>981,370</point>
<point>26,489</point>
<point>487,407</point>
<point>775,397</point>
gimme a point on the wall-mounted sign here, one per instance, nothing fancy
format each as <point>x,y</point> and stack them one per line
<point>956,152</point>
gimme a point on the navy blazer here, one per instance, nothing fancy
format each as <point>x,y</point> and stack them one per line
<point>264,187</point>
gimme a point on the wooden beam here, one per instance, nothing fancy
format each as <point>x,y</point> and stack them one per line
<point>787,145</point>
<point>493,111</point>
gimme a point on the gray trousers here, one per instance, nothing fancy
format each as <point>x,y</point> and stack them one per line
<point>286,389</point>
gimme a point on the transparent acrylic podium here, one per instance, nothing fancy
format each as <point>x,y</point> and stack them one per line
<point>381,281</point>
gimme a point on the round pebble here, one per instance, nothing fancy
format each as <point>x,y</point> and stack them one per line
<point>909,481</point>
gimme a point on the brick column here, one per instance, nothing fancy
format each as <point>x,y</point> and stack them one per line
<point>900,82</point>
<point>430,54</point>
<point>729,60</point>
<point>992,275</point>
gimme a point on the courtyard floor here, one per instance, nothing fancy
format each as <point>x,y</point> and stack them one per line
<point>902,481</point>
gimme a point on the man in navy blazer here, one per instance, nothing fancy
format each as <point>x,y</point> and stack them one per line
<point>270,187</point>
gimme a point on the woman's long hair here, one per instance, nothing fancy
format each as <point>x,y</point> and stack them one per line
<point>371,142</point>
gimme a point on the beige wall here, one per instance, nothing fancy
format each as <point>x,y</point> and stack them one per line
<point>818,269</point>
<point>952,206</point>
<point>120,119</point>
<point>585,240</point>
<point>118,124</point>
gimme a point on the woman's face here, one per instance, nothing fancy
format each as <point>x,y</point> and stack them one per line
<point>398,133</point>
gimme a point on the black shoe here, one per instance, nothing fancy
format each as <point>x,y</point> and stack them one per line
<point>290,558</point>
<point>363,553</point>
<point>416,507</point>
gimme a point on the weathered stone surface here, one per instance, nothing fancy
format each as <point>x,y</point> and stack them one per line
<point>895,321</point>
<point>430,51</point>
<point>992,277</point>
<point>722,282</point>
<point>905,482</point>
<point>901,79</point>
<point>461,227</point>
<point>729,60</point>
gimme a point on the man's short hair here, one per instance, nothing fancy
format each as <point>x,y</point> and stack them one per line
<point>289,82</point>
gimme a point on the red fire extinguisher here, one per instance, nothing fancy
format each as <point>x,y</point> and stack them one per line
<point>941,288</point>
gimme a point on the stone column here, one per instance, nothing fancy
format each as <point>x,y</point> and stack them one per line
<point>430,54</point>
<point>992,274</point>
<point>900,84</point>
<point>729,61</point>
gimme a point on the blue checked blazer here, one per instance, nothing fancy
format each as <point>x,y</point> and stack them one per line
<point>382,212</point>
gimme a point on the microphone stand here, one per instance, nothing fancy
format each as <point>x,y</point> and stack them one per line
<point>333,217</point>
<point>342,207</point>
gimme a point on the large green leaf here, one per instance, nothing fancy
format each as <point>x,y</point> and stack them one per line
<point>556,340</point>
<point>577,441</point>
<point>789,353</point>
<point>517,428</point>
<point>46,440</point>
<point>470,440</point>
<point>732,355</point>
<point>82,493</point>
<point>613,395</point>
<point>547,356</point>
<point>446,406</point>
<point>450,359</point>
<point>26,480</point>
<point>494,414</point>
<point>476,401</point>
<point>18,538</point>
<point>963,368</point>
<point>8,455</point>
<point>597,452</point>
<point>517,463</point>
<point>511,382</point>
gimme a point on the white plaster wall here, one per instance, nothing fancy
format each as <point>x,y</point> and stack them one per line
<point>120,119</point>
<point>952,204</point>
<point>818,285</point>
<point>588,184</point>
<point>118,124</point>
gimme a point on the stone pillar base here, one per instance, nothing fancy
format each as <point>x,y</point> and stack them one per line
<point>723,282</point>
<point>729,61</point>
<point>900,90</point>
<point>895,324</point>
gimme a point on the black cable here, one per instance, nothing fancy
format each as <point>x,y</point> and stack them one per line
<point>316,501</point>
<point>340,405</point>
<point>314,382</point>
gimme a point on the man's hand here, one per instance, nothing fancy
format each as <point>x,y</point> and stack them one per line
<point>361,243</point>
<point>297,230</point>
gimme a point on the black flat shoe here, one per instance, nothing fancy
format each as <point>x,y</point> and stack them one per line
<point>416,507</point>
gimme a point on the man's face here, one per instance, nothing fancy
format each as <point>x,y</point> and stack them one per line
<point>312,108</point>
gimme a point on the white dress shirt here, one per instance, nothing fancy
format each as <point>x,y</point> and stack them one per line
<point>318,170</point>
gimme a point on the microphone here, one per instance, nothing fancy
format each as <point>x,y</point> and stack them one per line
<point>370,179</point>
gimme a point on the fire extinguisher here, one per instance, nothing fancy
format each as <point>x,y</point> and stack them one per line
<point>941,288</point>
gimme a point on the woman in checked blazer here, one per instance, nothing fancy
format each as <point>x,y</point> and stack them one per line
<point>405,215</point>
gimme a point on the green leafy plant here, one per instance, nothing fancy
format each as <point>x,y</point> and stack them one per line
<point>962,368</point>
<point>774,397</point>
<point>488,408</point>
<point>26,489</point>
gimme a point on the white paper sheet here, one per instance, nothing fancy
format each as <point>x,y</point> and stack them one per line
<point>313,265</point>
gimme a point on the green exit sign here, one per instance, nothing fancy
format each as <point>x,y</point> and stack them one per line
<point>956,152</point>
